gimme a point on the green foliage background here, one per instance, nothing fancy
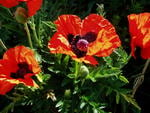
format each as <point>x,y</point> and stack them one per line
<point>67,86</point>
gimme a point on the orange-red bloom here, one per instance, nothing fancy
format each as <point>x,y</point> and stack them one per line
<point>33,5</point>
<point>17,66</point>
<point>82,39</point>
<point>139,27</point>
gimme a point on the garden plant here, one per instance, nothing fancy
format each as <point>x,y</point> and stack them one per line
<point>74,56</point>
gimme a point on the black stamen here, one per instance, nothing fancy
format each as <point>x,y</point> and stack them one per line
<point>90,37</point>
<point>22,71</point>
<point>70,37</point>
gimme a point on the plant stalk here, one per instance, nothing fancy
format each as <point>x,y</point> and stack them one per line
<point>139,80</point>
<point>77,67</point>
<point>32,25</point>
<point>3,45</point>
<point>28,35</point>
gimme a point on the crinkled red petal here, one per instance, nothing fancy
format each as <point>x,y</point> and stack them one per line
<point>21,54</point>
<point>68,24</point>
<point>107,39</point>
<point>94,23</point>
<point>59,44</point>
<point>7,67</point>
<point>9,3</point>
<point>5,87</point>
<point>145,53</point>
<point>9,64</point>
<point>27,81</point>
<point>139,27</point>
<point>33,6</point>
<point>86,59</point>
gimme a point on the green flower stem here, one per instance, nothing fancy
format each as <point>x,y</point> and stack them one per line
<point>28,35</point>
<point>3,45</point>
<point>139,80</point>
<point>32,25</point>
<point>9,11</point>
<point>77,67</point>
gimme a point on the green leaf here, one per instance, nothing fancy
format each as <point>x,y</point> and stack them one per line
<point>71,76</point>
<point>8,108</point>
<point>129,99</point>
<point>82,105</point>
<point>117,97</point>
<point>50,25</point>
<point>60,103</point>
<point>109,91</point>
<point>124,79</point>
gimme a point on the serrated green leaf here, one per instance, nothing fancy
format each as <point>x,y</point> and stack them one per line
<point>50,25</point>
<point>71,76</point>
<point>117,97</point>
<point>124,79</point>
<point>129,99</point>
<point>82,105</point>
<point>60,103</point>
<point>109,91</point>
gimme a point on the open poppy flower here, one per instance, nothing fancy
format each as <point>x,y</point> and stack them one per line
<point>17,66</point>
<point>33,5</point>
<point>139,27</point>
<point>83,39</point>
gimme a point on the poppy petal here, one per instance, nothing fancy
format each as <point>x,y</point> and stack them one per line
<point>11,74</point>
<point>68,24</point>
<point>94,23</point>
<point>9,3</point>
<point>5,87</point>
<point>105,43</point>
<point>22,54</point>
<point>33,6</point>
<point>59,44</point>
<point>86,59</point>
<point>6,64</point>
<point>28,82</point>
<point>145,53</point>
<point>139,27</point>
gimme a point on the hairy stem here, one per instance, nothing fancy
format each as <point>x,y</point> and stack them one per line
<point>77,67</point>
<point>139,80</point>
<point>32,25</point>
<point>3,45</point>
<point>28,35</point>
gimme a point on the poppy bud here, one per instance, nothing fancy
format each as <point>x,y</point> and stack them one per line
<point>21,15</point>
<point>67,93</point>
<point>83,71</point>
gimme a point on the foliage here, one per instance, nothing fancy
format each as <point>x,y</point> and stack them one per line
<point>67,86</point>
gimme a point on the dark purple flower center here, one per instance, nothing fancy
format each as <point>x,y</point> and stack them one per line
<point>22,71</point>
<point>79,44</point>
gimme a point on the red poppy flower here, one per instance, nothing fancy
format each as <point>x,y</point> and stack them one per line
<point>33,5</point>
<point>139,27</point>
<point>17,66</point>
<point>82,39</point>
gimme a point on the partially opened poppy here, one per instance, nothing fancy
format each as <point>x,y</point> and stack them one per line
<point>139,27</point>
<point>17,66</point>
<point>33,5</point>
<point>83,39</point>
